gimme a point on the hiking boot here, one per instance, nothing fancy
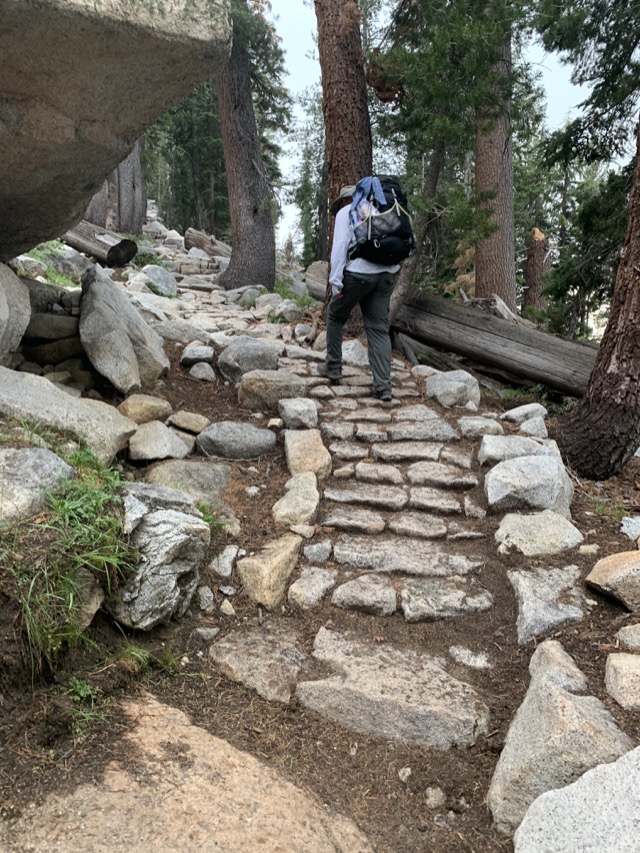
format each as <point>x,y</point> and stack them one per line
<point>386,396</point>
<point>333,374</point>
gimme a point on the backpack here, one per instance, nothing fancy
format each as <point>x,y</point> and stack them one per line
<point>382,233</point>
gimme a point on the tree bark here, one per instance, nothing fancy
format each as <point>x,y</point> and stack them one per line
<point>344,93</point>
<point>603,432</point>
<point>495,255</point>
<point>537,265</point>
<point>105,246</point>
<point>516,348</point>
<point>120,204</point>
<point>344,105</point>
<point>253,260</point>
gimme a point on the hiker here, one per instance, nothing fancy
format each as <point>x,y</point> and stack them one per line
<point>356,281</point>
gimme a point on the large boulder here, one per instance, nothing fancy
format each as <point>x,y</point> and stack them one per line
<point>35,399</point>
<point>596,814</point>
<point>118,342</point>
<point>172,539</point>
<point>65,123</point>
<point>245,354</point>
<point>554,737</point>
<point>529,482</point>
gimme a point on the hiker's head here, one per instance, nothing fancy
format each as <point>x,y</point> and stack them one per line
<point>343,196</point>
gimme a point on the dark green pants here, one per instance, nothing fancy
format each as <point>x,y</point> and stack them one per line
<point>372,293</point>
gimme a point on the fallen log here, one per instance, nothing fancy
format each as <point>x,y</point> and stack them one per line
<point>199,240</point>
<point>513,347</point>
<point>107,247</point>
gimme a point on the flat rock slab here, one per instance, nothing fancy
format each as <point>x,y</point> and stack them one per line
<point>434,429</point>
<point>440,474</point>
<point>373,416</point>
<point>622,680</point>
<point>298,413</point>
<point>399,695</point>
<point>536,534</point>
<point>402,555</point>
<point>262,390</point>
<point>596,814</point>
<point>245,354</point>
<point>354,518</point>
<point>267,660</point>
<point>547,598</point>
<point>383,497</point>
<point>419,524</point>
<point>368,594</point>
<point>378,473</point>
<point>371,432</point>
<point>339,431</point>
<point>185,784</point>
<point>418,412</point>
<point>430,599</point>
<point>453,388</point>
<point>619,576</point>
<point>348,451</point>
<point>143,408</point>
<point>523,413</point>
<point>554,737</point>
<point>406,450</point>
<point>311,587</point>
<point>434,500</point>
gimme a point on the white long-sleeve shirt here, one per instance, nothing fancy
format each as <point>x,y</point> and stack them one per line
<point>339,255</point>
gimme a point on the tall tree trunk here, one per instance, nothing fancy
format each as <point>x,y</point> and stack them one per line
<point>344,93</point>
<point>344,104</point>
<point>537,265</point>
<point>120,204</point>
<point>603,432</point>
<point>253,259</point>
<point>495,255</point>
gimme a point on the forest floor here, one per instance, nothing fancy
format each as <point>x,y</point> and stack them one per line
<point>62,727</point>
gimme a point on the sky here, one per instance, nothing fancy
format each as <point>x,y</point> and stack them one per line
<point>295,23</point>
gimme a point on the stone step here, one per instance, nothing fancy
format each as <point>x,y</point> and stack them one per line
<point>440,474</point>
<point>430,430</point>
<point>361,520</point>
<point>430,599</point>
<point>384,497</point>
<point>402,555</point>
<point>406,450</point>
<point>387,692</point>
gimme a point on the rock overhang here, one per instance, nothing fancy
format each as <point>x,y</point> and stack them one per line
<point>81,81</point>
